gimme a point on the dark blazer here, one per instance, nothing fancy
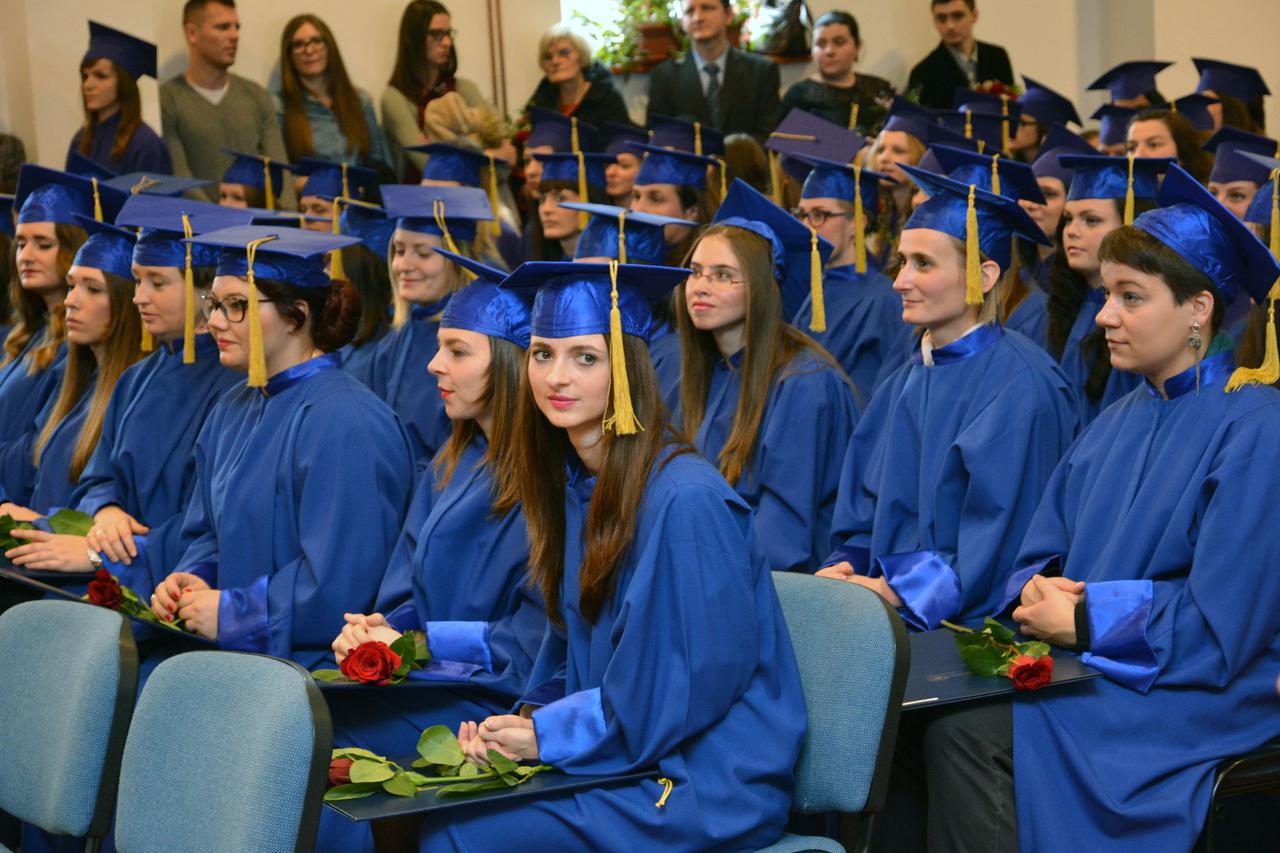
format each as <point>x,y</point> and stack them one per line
<point>937,76</point>
<point>749,94</point>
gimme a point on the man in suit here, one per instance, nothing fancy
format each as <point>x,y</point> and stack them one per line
<point>720,86</point>
<point>960,60</point>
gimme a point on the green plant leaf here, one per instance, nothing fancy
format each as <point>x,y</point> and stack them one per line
<point>469,788</point>
<point>70,522</point>
<point>352,791</point>
<point>505,767</point>
<point>439,745</point>
<point>368,770</point>
<point>328,675</point>
<point>980,654</point>
<point>416,778</point>
<point>356,752</point>
<point>400,785</point>
<point>469,769</point>
<point>998,631</point>
<point>1036,649</point>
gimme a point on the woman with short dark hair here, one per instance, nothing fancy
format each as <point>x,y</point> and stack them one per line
<point>834,90</point>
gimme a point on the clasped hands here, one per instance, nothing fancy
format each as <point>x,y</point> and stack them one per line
<point>188,597</point>
<point>1048,609</point>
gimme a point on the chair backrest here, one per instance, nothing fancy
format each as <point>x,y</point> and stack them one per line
<point>68,675</point>
<point>853,655</point>
<point>235,744</point>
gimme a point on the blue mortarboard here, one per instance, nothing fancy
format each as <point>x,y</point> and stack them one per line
<point>329,180</point>
<point>692,136</point>
<point>6,214</point>
<point>1195,109</point>
<point>1114,123</point>
<point>1099,176</point>
<point>662,166</point>
<point>131,53</point>
<point>565,167</point>
<point>910,118</point>
<point>1059,141</point>
<point>999,219</point>
<point>1228,166</point>
<point>447,162</point>
<point>1226,78</point>
<point>485,307</point>
<point>421,209</point>
<point>620,134</point>
<point>802,134</point>
<point>827,179</point>
<point>283,218</point>
<point>161,242</point>
<point>370,223</point>
<point>1129,80</point>
<point>1045,105</point>
<point>986,129</point>
<point>87,167</point>
<point>551,128</point>
<point>1016,180</point>
<point>152,183</point>
<point>251,170</point>
<point>986,102</point>
<point>929,163</point>
<point>47,195</point>
<point>1259,212</point>
<point>1198,227</point>
<point>939,135</point>
<point>612,228</point>
<point>108,248</point>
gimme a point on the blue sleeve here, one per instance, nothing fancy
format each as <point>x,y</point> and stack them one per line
<point>97,487</point>
<point>397,581</point>
<point>198,539</point>
<point>547,678</point>
<point>855,507</point>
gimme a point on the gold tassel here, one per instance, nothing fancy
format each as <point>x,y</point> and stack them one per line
<point>995,173</point>
<point>583,216</point>
<point>1267,373</point>
<point>1128,194</point>
<point>97,201</point>
<point>972,255</point>
<point>818,323</point>
<point>859,224</point>
<point>573,135</point>
<point>144,183</point>
<point>266,180</point>
<point>257,353</point>
<point>496,225</point>
<point>775,176</point>
<point>147,343</point>
<point>724,179</point>
<point>982,146</point>
<point>346,188</point>
<point>437,208</point>
<point>1004,125</point>
<point>697,138</point>
<point>189,291</point>
<point>1275,212</point>
<point>853,116</point>
<point>667,785</point>
<point>624,420</point>
<point>968,125</point>
<point>622,235</point>
<point>336,269</point>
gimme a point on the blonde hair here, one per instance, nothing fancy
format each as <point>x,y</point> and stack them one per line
<point>400,306</point>
<point>565,32</point>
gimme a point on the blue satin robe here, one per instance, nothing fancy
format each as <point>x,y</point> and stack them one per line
<point>144,461</point>
<point>1166,510</point>
<point>1031,317</point>
<point>664,351</point>
<point>865,332</point>
<point>300,494</point>
<point>1077,366</point>
<point>808,418</point>
<point>24,401</point>
<point>946,468</point>
<point>52,485</point>
<point>398,374</point>
<point>691,671</point>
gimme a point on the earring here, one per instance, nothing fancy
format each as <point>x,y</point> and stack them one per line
<point>1195,341</point>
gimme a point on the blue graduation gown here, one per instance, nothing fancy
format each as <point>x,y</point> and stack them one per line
<point>791,484</point>
<point>689,671</point>
<point>1166,510</point>
<point>945,470</point>
<point>358,360</point>
<point>145,152</point>
<point>1031,317</point>
<point>144,462</point>
<point>865,332</point>
<point>1077,366</point>
<point>52,485</point>
<point>23,395</point>
<point>301,490</point>
<point>664,351</point>
<point>398,374</point>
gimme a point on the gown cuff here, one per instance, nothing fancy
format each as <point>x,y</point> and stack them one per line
<point>854,555</point>
<point>569,726</point>
<point>134,573</point>
<point>1118,615</point>
<point>242,618</point>
<point>404,618</point>
<point>543,694</point>
<point>1018,579</point>
<point>465,642</point>
<point>927,585</point>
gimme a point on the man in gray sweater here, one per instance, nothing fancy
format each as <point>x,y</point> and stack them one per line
<point>207,108</point>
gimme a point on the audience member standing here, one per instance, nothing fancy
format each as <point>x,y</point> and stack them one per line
<point>834,91</point>
<point>207,108</point>
<point>573,84</point>
<point>959,60</point>
<point>718,85</point>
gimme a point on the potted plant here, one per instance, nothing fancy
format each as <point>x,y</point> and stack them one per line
<point>644,34</point>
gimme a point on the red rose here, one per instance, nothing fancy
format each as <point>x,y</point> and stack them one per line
<point>1031,673</point>
<point>104,590</point>
<point>370,663</point>
<point>340,771</point>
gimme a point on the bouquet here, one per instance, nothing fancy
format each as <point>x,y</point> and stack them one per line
<point>377,663</point>
<point>105,590</point>
<point>993,651</point>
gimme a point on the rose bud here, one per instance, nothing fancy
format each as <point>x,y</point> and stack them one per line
<point>340,771</point>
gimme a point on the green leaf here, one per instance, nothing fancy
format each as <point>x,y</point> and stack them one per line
<point>356,752</point>
<point>439,745</point>
<point>350,792</point>
<point>1036,649</point>
<point>416,778</point>
<point>998,631</point>
<point>70,522</point>
<point>368,770</point>
<point>470,769</point>
<point>400,785</point>
<point>505,767</point>
<point>328,675</point>
<point>421,651</point>
<point>467,789</point>
<point>980,654</point>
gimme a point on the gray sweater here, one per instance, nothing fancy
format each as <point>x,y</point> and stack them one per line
<point>195,130</point>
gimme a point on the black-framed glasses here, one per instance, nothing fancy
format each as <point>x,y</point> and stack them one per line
<point>818,217</point>
<point>441,35</point>
<point>302,45</point>
<point>719,276</point>
<point>233,307</point>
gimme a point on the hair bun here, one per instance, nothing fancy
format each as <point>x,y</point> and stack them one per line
<point>340,318</point>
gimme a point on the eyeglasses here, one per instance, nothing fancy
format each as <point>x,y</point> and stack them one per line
<point>233,307</point>
<point>441,35</point>
<point>562,53</point>
<point>719,276</point>
<point>303,45</point>
<point>818,217</point>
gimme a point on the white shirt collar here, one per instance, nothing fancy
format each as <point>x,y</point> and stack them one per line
<point>926,344</point>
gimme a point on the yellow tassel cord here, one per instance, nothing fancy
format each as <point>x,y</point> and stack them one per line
<point>697,138</point>
<point>995,173</point>
<point>144,183</point>
<point>1128,194</point>
<point>97,201</point>
<point>624,420</point>
<point>982,146</point>
<point>972,255</point>
<point>1004,125</point>
<point>336,269</point>
<point>574,148</point>
<point>266,183</point>
<point>1267,373</point>
<point>257,354</point>
<point>437,209</point>
<point>818,323</point>
<point>667,785</point>
<point>859,224</point>
<point>496,225</point>
<point>583,216</point>
<point>775,177</point>
<point>853,116</point>
<point>622,235</point>
<point>189,295</point>
<point>346,187</point>
<point>724,179</point>
<point>968,125</point>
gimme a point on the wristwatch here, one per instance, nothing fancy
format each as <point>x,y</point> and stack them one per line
<point>95,560</point>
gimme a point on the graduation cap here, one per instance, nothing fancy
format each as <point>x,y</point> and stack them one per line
<point>281,254</point>
<point>252,170</point>
<point>1129,178</point>
<point>987,102</point>
<point>153,183</point>
<point>108,248</point>
<point>131,53</point>
<point>985,221</point>
<point>283,218</point>
<point>87,167</point>
<point>802,134</point>
<point>828,179</point>
<point>486,308</point>
<point>1195,109</point>
<point>47,195</point>
<point>597,299</point>
<point>793,243</point>
<point>561,133</point>
<point>1130,80</point>
<point>620,135</point>
<point>993,172</point>
<point>929,163</point>
<point>1228,167</point>
<point>6,214</point>
<point>910,118</point>
<point>370,223</point>
<point>1059,141</point>
<point>627,236</point>
<point>1262,209</point>
<point>1227,78</point>
<point>585,170</point>
<point>1114,123</point>
<point>329,180</point>
<point>692,136</point>
<point>991,131</point>
<point>442,211</point>
<point>462,166</point>
<point>939,135</point>
<point>1045,105</point>
<point>663,166</point>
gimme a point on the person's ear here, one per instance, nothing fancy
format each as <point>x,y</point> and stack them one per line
<point>305,310</point>
<point>1202,308</point>
<point>990,275</point>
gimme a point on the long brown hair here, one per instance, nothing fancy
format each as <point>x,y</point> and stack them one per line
<point>770,346</point>
<point>130,111</point>
<point>539,484</point>
<point>1186,138</point>
<point>122,347</point>
<point>410,73</point>
<point>346,103</point>
<point>30,310</point>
